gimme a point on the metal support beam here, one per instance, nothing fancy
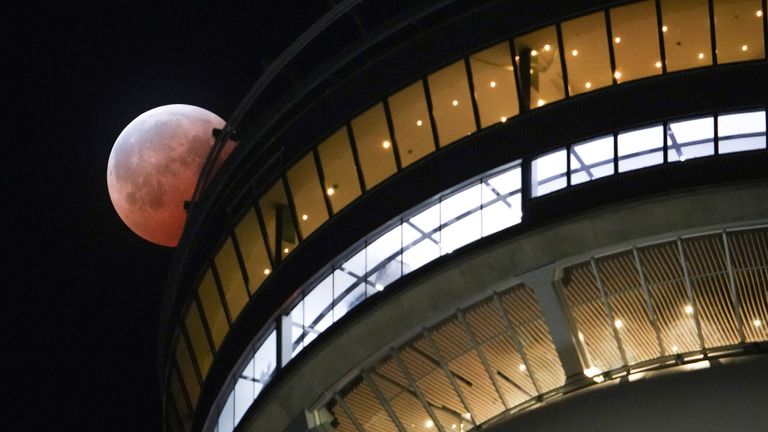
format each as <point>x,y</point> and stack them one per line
<point>451,378</point>
<point>343,404</point>
<point>382,400</point>
<point>481,355</point>
<point>419,395</point>
<point>516,341</point>
<point>608,310</point>
<point>648,303</point>
<point>735,297</point>
<point>689,290</point>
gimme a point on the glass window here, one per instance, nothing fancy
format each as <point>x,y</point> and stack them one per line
<point>549,173</point>
<point>382,260</point>
<point>307,195</point>
<point>690,139</point>
<point>741,132</point>
<point>297,328</point>
<point>451,103</point>
<point>545,75</point>
<point>641,148</point>
<point>341,182</point>
<point>265,361</point>
<point>214,311</point>
<point>244,395</point>
<point>460,219</point>
<point>494,78</point>
<point>591,159</point>
<point>591,67</point>
<point>374,145</point>
<point>637,53</point>
<point>178,397</point>
<point>231,278</point>
<point>227,416</point>
<point>254,250</point>
<point>198,339</point>
<point>502,206</point>
<point>317,309</point>
<point>188,375</point>
<point>410,119</point>
<point>685,25</point>
<point>349,285</point>
<point>277,215</point>
<point>739,30</point>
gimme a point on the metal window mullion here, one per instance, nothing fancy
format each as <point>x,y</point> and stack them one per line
<point>615,153</point>
<point>481,355</point>
<point>192,357</point>
<point>716,132</point>
<point>563,67</point>
<point>735,297</point>
<point>712,36</point>
<point>472,96</point>
<point>611,54</point>
<point>419,395</point>
<point>648,303</point>
<point>323,183</point>
<point>292,209</point>
<point>264,235</point>
<point>517,341</point>
<point>382,400</point>
<point>608,310</point>
<point>391,129</point>
<point>184,394</point>
<point>451,378</point>
<point>356,157</point>
<point>513,54</point>
<point>222,298</point>
<point>241,262</point>
<point>430,112</point>
<point>689,290</point>
<point>662,49</point>
<point>343,404</point>
<point>665,143</point>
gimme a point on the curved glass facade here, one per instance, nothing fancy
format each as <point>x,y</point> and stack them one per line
<point>484,88</point>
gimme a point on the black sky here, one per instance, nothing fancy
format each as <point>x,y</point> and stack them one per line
<point>82,313</point>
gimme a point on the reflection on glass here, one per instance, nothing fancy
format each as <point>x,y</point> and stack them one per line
<point>297,328</point>
<point>349,285</point>
<point>502,201</point>
<point>374,145</point>
<point>410,120</point>
<point>213,309</point>
<point>278,221</point>
<point>591,68</point>
<point>198,339</point>
<point>254,250</point>
<point>640,148</point>
<point>549,173</point>
<point>421,238</point>
<point>690,139</point>
<point>341,182</point>
<point>231,278</point>
<point>451,103</point>
<point>307,195</point>
<point>739,30</point>
<point>591,159</point>
<point>637,53</point>
<point>538,52</point>
<point>460,219</point>
<point>244,394</point>
<point>317,309</point>
<point>741,132</point>
<point>382,260</point>
<point>687,42</point>
<point>227,417</point>
<point>494,78</point>
<point>188,375</point>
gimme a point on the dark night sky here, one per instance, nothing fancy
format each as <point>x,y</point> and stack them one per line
<point>83,310</point>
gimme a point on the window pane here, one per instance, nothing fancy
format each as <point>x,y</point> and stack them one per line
<point>549,173</point>
<point>297,328</point>
<point>460,219</point>
<point>244,395</point>
<point>640,148</point>
<point>421,239</point>
<point>317,309</point>
<point>254,250</point>
<point>546,73</point>
<point>410,119</point>
<point>374,146</point>
<point>591,159</point>
<point>274,209</point>
<point>739,30</point>
<point>494,78</point>
<point>227,416</point>
<point>690,139</point>
<point>198,339</point>
<point>307,195</point>
<point>637,55</point>
<point>341,182</point>
<point>348,291</point>
<point>214,311</point>
<point>687,42</point>
<point>265,361</point>
<point>451,103</point>
<point>231,278</point>
<point>591,67</point>
<point>382,259</point>
<point>188,375</point>
<point>180,401</point>
<point>502,205</point>
<point>741,132</point>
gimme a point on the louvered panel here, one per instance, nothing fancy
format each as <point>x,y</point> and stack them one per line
<point>432,380</point>
<point>368,411</point>
<point>344,423</point>
<point>661,263</point>
<point>388,371</point>
<point>637,335</point>
<point>405,404</point>
<point>513,377</point>
<point>485,321</point>
<point>542,356</point>
<point>705,255</point>
<point>419,361</point>
<point>753,291</point>
<point>677,327</point>
<point>451,339</point>
<point>749,249</point>
<point>482,397</point>
<point>596,336</point>
<point>520,305</point>
<point>619,272</point>
<point>579,285</point>
<point>715,310</point>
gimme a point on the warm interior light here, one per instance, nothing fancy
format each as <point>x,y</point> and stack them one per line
<point>658,65</point>
<point>534,53</point>
<point>547,47</point>
<point>503,119</point>
<point>598,379</point>
<point>701,56</point>
<point>304,217</point>
<point>379,287</point>
<point>588,85</point>
<point>386,144</point>
<point>522,367</point>
<point>675,348</point>
<point>704,364</point>
<point>455,102</point>
<point>493,84</point>
<point>664,28</point>
<point>688,308</point>
<point>757,323</point>
<point>267,271</point>
<point>581,337</point>
<point>744,47</point>
<point>636,376</point>
<point>541,102</point>
<point>467,416</point>
<point>759,13</point>
<point>682,159</point>
<point>618,323</point>
<point>453,426</point>
<point>330,191</point>
<point>575,53</point>
<point>592,371</point>
<point>617,74</point>
<point>286,250</point>
<point>617,39</point>
<point>419,122</point>
<point>428,424</point>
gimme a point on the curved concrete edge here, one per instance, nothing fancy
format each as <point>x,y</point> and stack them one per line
<point>476,272</point>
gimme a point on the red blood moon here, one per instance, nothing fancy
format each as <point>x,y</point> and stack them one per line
<point>154,166</point>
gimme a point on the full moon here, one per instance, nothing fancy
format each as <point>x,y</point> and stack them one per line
<point>154,166</point>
